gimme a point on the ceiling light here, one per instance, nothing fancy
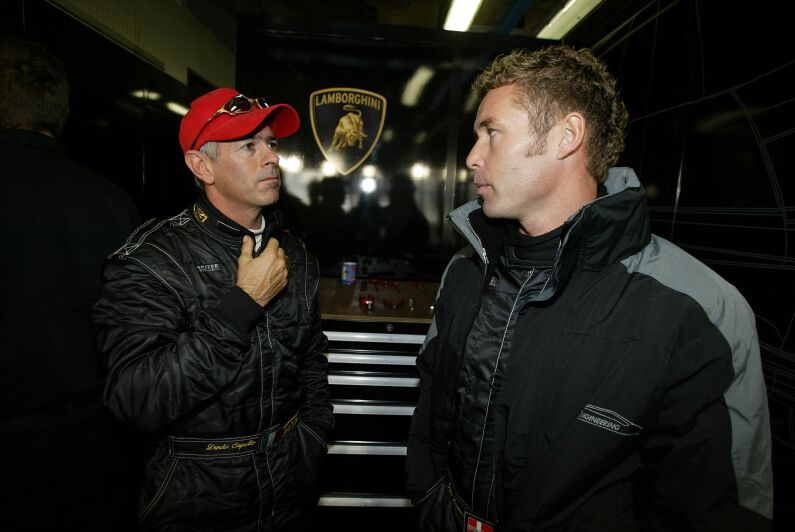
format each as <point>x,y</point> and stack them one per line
<point>292,163</point>
<point>461,13</point>
<point>414,86</point>
<point>565,19</point>
<point>471,102</point>
<point>146,94</point>
<point>328,169</point>
<point>367,185</point>
<point>420,171</point>
<point>368,170</point>
<point>177,108</point>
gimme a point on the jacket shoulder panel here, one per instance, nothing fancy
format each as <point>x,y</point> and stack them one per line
<point>151,246</point>
<point>150,231</point>
<point>746,397</point>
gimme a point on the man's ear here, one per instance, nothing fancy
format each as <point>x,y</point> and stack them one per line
<point>201,166</point>
<point>573,137</point>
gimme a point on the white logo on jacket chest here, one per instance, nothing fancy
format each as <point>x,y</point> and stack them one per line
<point>208,267</point>
<point>609,420</point>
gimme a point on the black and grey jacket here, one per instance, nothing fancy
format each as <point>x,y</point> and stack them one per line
<point>618,387</point>
<point>234,397</point>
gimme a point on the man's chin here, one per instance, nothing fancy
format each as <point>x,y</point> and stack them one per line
<point>489,209</point>
<point>269,197</point>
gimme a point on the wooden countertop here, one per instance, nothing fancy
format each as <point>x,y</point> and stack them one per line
<point>391,300</point>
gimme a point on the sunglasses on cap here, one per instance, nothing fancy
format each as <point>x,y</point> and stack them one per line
<point>238,105</point>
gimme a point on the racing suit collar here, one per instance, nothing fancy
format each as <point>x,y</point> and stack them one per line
<point>213,221</point>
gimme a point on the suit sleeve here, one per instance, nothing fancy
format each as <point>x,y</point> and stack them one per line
<point>161,364</point>
<point>708,457</point>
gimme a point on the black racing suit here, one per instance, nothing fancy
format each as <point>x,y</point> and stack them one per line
<point>233,397</point>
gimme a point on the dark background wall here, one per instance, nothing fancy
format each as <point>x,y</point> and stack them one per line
<point>711,137</point>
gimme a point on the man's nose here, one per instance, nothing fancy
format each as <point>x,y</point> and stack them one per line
<point>269,154</point>
<point>474,159</point>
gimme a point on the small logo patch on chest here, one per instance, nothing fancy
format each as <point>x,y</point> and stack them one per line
<point>208,267</point>
<point>199,213</point>
<point>609,420</point>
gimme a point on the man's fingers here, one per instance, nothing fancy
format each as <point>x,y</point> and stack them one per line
<point>265,276</point>
<point>248,247</point>
<point>272,246</point>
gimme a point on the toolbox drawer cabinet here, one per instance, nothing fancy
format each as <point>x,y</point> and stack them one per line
<point>374,387</point>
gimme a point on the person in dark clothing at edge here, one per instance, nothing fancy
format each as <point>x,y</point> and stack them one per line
<point>581,374</point>
<point>64,460</point>
<point>210,325</point>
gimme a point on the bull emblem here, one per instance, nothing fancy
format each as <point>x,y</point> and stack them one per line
<point>347,124</point>
<point>349,130</point>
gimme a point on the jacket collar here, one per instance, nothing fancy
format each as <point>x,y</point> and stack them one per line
<point>219,226</point>
<point>613,226</point>
<point>608,229</point>
<point>31,138</point>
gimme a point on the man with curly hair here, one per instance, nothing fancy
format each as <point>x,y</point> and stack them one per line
<point>581,373</point>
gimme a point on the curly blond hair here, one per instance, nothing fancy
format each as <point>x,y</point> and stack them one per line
<point>557,80</point>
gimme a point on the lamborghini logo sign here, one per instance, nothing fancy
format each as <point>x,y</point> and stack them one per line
<point>347,125</point>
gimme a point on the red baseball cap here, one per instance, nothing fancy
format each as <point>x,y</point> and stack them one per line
<point>282,119</point>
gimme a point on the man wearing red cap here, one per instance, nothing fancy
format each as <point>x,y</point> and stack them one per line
<point>210,325</point>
